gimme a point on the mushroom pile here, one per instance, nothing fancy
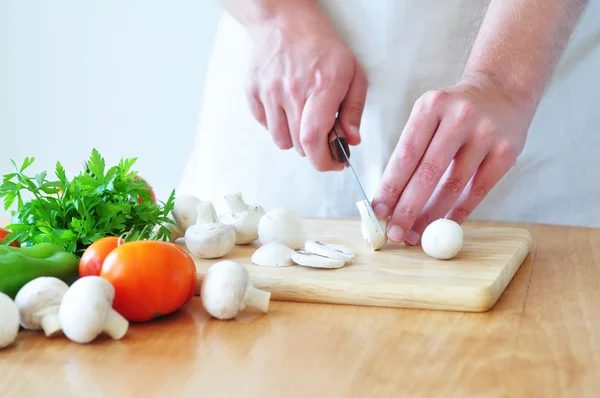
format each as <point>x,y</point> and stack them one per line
<point>81,312</point>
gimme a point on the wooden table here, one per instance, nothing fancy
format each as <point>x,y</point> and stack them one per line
<point>542,339</point>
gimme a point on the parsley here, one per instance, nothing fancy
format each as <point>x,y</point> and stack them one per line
<point>75,213</point>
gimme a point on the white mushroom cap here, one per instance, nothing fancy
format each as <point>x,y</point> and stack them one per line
<point>184,213</point>
<point>227,290</point>
<point>86,311</point>
<point>283,226</point>
<point>209,238</point>
<point>38,302</point>
<point>273,255</point>
<point>9,321</point>
<point>442,239</point>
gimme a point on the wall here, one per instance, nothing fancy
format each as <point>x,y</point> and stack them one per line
<point>124,77</point>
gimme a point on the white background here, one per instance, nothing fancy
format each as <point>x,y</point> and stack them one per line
<point>124,77</point>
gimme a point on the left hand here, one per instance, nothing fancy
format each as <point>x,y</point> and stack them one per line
<point>457,144</point>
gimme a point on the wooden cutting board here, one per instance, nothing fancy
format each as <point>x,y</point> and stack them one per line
<point>396,275</point>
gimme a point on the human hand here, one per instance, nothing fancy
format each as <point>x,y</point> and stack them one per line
<point>457,144</point>
<point>301,74</point>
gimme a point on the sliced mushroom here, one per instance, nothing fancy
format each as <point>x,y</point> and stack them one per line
<point>308,259</point>
<point>273,255</point>
<point>329,250</point>
<point>244,218</point>
<point>38,302</point>
<point>369,230</point>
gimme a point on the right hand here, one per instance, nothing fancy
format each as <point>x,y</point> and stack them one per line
<point>301,74</point>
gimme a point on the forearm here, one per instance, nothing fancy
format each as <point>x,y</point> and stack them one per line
<point>255,12</point>
<point>521,41</point>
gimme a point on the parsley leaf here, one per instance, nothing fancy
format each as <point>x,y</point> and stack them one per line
<point>74,213</point>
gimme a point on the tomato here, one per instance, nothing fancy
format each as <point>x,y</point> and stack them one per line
<point>151,278</point>
<point>93,257</point>
<point>3,233</point>
<point>136,177</point>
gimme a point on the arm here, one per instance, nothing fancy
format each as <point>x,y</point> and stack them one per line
<point>521,41</point>
<point>300,75</point>
<point>478,127</point>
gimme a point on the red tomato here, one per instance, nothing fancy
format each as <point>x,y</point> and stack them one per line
<point>3,233</point>
<point>93,257</point>
<point>151,279</point>
<point>149,189</point>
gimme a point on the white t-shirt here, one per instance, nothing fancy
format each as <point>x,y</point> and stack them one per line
<point>406,48</point>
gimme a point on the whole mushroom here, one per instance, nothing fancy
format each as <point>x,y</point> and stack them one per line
<point>227,290</point>
<point>184,214</point>
<point>86,311</point>
<point>209,237</point>
<point>283,226</point>
<point>243,217</point>
<point>442,239</point>
<point>38,302</point>
<point>9,321</point>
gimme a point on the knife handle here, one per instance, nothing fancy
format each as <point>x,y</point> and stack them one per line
<point>337,142</point>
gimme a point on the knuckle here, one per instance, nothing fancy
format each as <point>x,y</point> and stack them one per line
<point>406,212</point>
<point>464,111</point>
<point>507,151</point>
<point>293,88</point>
<point>390,188</point>
<point>479,192</point>
<point>354,109</point>
<point>451,187</point>
<point>432,99</point>
<point>462,212</point>
<point>407,154</point>
<point>428,174</point>
<point>273,88</point>
<point>323,81</point>
<point>309,138</point>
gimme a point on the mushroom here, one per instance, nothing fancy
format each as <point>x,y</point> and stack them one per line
<point>244,218</point>
<point>273,255</point>
<point>38,302</point>
<point>329,250</point>
<point>283,226</point>
<point>184,214</point>
<point>442,239</point>
<point>227,290</point>
<point>9,320</point>
<point>308,259</point>
<point>209,237</point>
<point>86,311</point>
<point>369,231</point>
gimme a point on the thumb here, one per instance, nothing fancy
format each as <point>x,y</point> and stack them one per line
<point>352,106</point>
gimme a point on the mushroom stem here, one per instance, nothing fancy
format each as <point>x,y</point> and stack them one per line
<point>257,298</point>
<point>235,202</point>
<point>51,324</point>
<point>206,213</point>
<point>116,325</point>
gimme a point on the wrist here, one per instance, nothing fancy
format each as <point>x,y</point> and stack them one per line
<point>264,15</point>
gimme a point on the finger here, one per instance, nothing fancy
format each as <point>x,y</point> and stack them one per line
<point>452,184</point>
<point>353,105</point>
<point>293,111</point>
<point>419,129</point>
<point>422,183</point>
<point>278,126</point>
<point>318,117</point>
<point>256,105</point>
<point>496,164</point>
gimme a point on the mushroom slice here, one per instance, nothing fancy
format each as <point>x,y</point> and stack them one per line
<point>38,302</point>
<point>9,320</point>
<point>308,259</point>
<point>273,255</point>
<point>86,311</point>
<point>329,250</point>
<point>369,230</point>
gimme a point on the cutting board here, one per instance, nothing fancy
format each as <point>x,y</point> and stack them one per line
<point>396,275</point>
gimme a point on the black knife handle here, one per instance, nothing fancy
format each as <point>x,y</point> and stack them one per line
<point>336,142</point>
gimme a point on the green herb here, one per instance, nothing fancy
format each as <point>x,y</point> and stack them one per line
<point>75,213</point>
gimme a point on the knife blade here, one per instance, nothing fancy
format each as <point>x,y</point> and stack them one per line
<point>338,144</point>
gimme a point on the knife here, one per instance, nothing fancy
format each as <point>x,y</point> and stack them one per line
<point>338,145</point>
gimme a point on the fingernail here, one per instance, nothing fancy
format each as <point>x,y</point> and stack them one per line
<point>354,131</point>
<point>381,210</point>
<point>396,233</point>
<point>413,237</point>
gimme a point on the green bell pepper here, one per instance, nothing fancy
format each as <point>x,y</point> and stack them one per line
<point>19,265</point>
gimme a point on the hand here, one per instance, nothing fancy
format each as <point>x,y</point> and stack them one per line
<point>457,144</point>
<point>301,75</point>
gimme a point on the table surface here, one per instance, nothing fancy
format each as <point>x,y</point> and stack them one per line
<point>542,339</point>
